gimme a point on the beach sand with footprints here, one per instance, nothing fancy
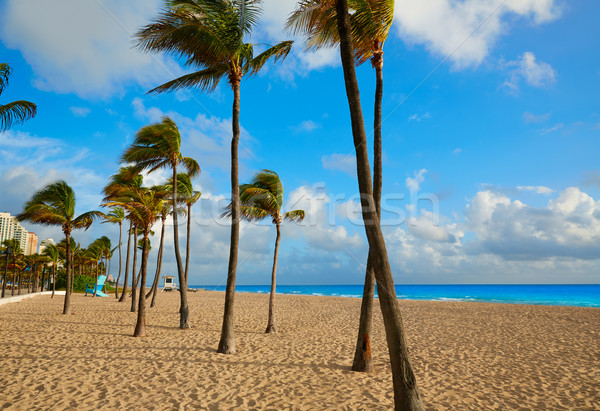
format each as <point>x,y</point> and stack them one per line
<point>466,355</point>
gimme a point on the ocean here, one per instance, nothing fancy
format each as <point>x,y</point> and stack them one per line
<point>546,294</point>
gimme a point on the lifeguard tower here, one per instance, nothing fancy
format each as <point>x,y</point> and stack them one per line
<point>169,283</point>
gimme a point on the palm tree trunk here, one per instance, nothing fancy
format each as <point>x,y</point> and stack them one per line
<point>158,263</point>
<point>96,283</point>
<point>53,279</point>
<point>187,244</point>
<point>140,326</point>
<point>67,306</point>
<point>72,284</point>
<point>363,360</point>
<point>271,327</point>
<point>43,276</point>
<point>19,284</point>
<point>406,394</point>
<point>227,342</point>
<point>124,294</point>
<point>5,275</point>
<point>13,279</point>
<point>184,309</point>
<point>133,275</point>
<point>119,276</point>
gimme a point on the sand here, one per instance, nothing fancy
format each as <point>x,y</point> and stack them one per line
<point>465,355</point>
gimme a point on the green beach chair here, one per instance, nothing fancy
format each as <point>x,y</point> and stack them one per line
<point>99,285</point>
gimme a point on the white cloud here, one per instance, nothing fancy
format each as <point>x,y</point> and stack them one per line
<point>533,118</point>
<point>84,47</point>
<point>320,228</point>
<point>272,26</point>
<point>206,139</point>
<point>80,111</point>
<point>414,183</point>
<point>548,130</point>
<point>457,151</point>
<point>568,227</point>
<point>537,189</point>
<point>536,74</point>
<point>345,163</point>
<point>464,30</point>
<point>418,118</point>
<point>307,126</point>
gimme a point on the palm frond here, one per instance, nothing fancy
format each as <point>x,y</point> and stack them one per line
<point>16,112</point>
<point>205,80</point>
<point>277,52</point>
<point>5,71</point>
<point>192,167</point>
<point>294,216</point>
<point>85,220</point>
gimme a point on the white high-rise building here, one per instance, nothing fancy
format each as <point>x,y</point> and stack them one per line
<point>45,243</point>
<point>10,229</point>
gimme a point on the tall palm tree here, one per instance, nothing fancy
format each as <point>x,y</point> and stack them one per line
<point>51,251</point>
<point>371,21</point>
<point>144,206</point>
<point>16,112</point>
<point>55,205</point>
<point>125,178</point>
<point>158,146</point>
<point>116,215</point>
<point>263,198</point>
<point>209,34</point>
<point>406,394</point>
<point>189,197</point>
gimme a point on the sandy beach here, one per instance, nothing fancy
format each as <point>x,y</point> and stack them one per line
<point>466,356</point>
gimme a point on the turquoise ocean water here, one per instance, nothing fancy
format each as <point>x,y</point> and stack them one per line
<point>568,295</point>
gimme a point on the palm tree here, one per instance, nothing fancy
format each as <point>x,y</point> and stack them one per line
<point>145,207</point>
<point>116,215</point>
<point>158,146</point>
<point>15,249</point>
<point>263,198</point>
<point>51,251</point>
<point>16,112</point>
<point>164,213</point>
<point>125,178</point>
<point>371,21</point>
<point>406,394</point>
<point>55,205</point>
<point>209,34</point>
<point>189,197</point>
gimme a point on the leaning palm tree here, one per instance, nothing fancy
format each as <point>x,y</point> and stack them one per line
<point>158,146</point>
<point>16,112</point>
<point>263,198</point>
<point>209,34</point>
<point>53,254</point>
<point>55,205</point>
<point>144,206</point>
<point>406,393</point>
<point>371,21</point>
<point>116,216</point>
<point>189,197</point>
<point>126,177</point>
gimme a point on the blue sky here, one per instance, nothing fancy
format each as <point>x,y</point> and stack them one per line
<point>490,134</point>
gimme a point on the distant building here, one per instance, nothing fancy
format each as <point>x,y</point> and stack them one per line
<point>11,229</point>
<point>45,243</point>
<point>32,244</point>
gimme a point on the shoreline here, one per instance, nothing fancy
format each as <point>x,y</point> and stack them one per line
<point>465,356</point>
<point>543,294</point>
